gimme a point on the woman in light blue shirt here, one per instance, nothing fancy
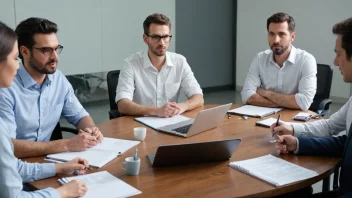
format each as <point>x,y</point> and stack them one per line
<point>12,170</point>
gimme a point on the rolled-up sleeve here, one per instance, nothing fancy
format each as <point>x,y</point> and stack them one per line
<point>189,82</point>
<point>308,83</point>
<point>125,87</point>
<point>252,81</point>
<point>72,110</point>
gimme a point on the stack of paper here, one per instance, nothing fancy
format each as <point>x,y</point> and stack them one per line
<point>273,170</point>
<point>254,111</point>
<point>103,184</point>
<point>99,155</point>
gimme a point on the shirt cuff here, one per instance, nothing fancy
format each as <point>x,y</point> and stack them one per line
<point>123,96</point>
<point>48,170</point>
<point>297,150</point>
<point>194,92</point>
<point>298,129</point>
<point>246,95</point>
<point>53,192</point>
<point>302,102</point>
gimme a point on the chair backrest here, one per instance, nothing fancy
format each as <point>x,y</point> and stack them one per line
<point>112,80</point>
<point>324,80</point>
<point>56,135</point>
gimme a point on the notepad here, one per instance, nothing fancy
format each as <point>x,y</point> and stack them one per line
<point>254,111</point>
<point>156,122</point>
<point>268,122</point>
<point>273,170</point>
<point>99,155</point>
<point>103,184</point>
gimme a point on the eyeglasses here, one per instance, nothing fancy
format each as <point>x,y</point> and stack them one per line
<point>156,38</point>
<point>48,51</point>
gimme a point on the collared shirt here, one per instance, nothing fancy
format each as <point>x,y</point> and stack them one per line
<point>142,83</point>
<point>297,76</point>
<point>338,122</point>
<point>13,171</point>
<point>31,111</point>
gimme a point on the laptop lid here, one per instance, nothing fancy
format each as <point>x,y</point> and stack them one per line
<point>206,119</point>
<point>193,153</point>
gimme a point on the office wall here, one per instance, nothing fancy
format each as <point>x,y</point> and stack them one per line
<point>314,21</point>
<point>205,37</point>
<point>96,34</point>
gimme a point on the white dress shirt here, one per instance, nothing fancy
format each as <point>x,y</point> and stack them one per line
<point>297,76</point>
<point>142,83</point>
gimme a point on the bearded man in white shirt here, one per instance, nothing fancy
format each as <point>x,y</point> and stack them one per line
<point>150,81</point>
<point>283,76</point>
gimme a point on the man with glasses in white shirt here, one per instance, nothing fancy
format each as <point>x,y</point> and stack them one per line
<point>150,81</point>
<point>283,76</point>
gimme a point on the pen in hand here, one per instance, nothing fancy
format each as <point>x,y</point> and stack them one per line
<point>135,155</point>
<point>273,140</point>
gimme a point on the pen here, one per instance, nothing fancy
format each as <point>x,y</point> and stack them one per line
<point>277,124</point>
<point>135,155</point>
<point>245,117</point>
<point>228,116</point>
<point>62,161</point>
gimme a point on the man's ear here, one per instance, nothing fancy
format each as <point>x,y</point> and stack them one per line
<point>145,39</point>
<point>293,35</point>
<point>25,52</point>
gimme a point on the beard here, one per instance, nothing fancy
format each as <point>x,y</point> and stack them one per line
<point>278,51</point>
<point>43,69</point>
<point>156,51</point>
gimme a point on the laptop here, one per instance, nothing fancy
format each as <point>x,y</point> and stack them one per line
<point>193,153</point>
<point>206,119</point>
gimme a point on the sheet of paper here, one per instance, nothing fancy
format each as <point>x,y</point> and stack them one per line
<point>274,170</point>
<point>255,111</point>
<point>269,121</point>
<point>116,145</point>
<point>156,123</point>
<point>103,184</point>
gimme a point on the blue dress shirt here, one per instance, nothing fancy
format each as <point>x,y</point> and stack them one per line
<point>13,171</point>
<point>31,111</point>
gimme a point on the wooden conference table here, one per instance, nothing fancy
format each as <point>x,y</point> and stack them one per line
<point>214,179</point>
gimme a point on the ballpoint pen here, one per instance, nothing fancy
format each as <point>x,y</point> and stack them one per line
<point>273,140</point>
<point>135,155</point>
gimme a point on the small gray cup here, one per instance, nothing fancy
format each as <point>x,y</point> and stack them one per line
<point>132,166</point>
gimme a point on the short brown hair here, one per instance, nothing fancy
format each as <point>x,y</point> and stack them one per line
<point>156,18</point>
<point>281,17</point>
<point>344,28</point>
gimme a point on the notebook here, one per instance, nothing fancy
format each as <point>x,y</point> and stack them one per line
<point>99,155</point>
<point>254,111</point>
<point>273,170</point>
<point>103,184</point>
<point>268,122</point>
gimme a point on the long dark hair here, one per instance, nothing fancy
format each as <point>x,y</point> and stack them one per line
<point>7,40</point>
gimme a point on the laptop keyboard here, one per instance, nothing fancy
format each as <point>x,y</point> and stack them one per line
<point>183,129</point>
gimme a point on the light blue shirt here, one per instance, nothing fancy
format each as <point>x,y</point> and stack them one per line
<point>31,112</point>
<point>13,171</point>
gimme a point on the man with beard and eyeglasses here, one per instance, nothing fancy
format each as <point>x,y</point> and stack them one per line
<point>282,76</point>
<point>31,107</point>
<point>150,81</point>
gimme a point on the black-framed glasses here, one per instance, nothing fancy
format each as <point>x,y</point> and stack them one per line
<point>157,38</point>
<point>48,51</point>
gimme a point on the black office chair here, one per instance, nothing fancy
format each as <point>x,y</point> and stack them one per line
<point>57,133</point>
<point>112,80</point>
<point>321,102</point>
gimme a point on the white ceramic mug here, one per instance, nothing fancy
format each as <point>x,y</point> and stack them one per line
<point>140,133</point>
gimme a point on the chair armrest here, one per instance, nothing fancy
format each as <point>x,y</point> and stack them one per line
<point>324,106</point>
<point>114,114</point>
